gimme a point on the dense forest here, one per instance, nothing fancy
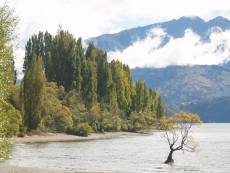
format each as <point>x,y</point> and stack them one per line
<point>67,88</point>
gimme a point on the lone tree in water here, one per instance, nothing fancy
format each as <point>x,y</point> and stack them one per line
<point>177,129</point>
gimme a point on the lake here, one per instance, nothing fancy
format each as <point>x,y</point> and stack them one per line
<point>136,154</point>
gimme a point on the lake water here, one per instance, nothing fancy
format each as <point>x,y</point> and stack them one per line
<point>136,154</point>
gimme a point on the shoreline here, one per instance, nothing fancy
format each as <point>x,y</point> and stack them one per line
<point>63,137</point>
<point>58,137</point>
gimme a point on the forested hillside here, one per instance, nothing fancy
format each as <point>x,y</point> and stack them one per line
<point>69,89</point>
<point>211,110</point>
<point>200,89</point>
<point>183,84</point>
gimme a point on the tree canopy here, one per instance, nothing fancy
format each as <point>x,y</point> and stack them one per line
<point>7,74</point>
<point>96,90</point>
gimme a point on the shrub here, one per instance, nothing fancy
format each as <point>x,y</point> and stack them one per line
<point>59,119</point>
<point>15,123</point>
<point>93,117</point>
<point>137,121</point>
<point>14,119</point>
<point>124,125</point>
<point>112,122</point>
<point>83,129</point>
<point>56,116</point>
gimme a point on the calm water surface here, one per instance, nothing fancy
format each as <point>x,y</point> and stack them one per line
<point>138,154</point>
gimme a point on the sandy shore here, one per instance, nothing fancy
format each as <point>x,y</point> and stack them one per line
<point>62,137</point>
<point>57,137</point>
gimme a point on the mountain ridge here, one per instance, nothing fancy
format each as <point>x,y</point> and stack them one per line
<point>175,28</point>
<point>182,84</point>
<point>211,110</point>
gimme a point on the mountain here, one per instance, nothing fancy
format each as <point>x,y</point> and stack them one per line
<point>211,110</point>
<point>174,28</point>
<point>199,89</point>
<point>203,89</point>
<point>182,84</point>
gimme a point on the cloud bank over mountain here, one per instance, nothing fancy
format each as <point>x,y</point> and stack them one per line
<point>159,49</point>
<point>95,17</point>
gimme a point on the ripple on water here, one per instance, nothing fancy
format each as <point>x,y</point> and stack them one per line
<point>130,155</point>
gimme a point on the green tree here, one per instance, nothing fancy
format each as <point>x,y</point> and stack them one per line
<point>90,83</point>
<point>34,47</point>
<point>64,57</point>
<point>77,81</point>
<point>83,129</point>
<point>111,98</point>
<point>137,121</point>
<point>160,108</point>
<point>139,96</point>
<point>33,94</point>
<point>7,25</point>
<point>40,45</point>
<point>146,101</point>
<point>55,115</point>
<point>91,52</point>
<point>77,107</point>
<point>122,86</point>
<point>103,77</point>
<point>47,58</point>
<point>93,117</point>
<point>153,100</point>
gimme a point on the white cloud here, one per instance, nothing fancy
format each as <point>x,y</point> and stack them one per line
<point>188,50</point>
<point>89,18</point>
<point>94,17</point>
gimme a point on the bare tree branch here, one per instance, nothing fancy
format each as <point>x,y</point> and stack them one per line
<point>177,129</point>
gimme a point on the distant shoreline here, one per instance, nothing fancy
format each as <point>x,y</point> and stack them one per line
<point>63,137</point>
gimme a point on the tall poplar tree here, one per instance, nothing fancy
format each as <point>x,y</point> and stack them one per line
<point>33,93</point>
<point>139,97</point>
<point>90,83</point>
<point>160,108</point>
<point>79,56</point>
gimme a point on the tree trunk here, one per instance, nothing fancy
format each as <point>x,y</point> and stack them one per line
<point>170,159</point>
